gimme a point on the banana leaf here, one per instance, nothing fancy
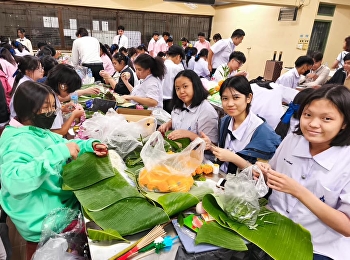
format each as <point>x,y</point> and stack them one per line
<point>176,202</point>
<point>277,235</point>
<point>104,235</point>
<point>213,233</point>
<point>87,170</point>
<point>105,193</point>
<point>129,216</point>
<point>177,145</point>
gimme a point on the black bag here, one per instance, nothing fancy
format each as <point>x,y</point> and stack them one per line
<point>4,111</point>
<point>102,105</point>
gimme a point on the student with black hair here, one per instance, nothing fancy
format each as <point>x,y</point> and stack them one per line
<point>169,42</point>
<point>150,72</point>
<point>244,137</point>
<point>217,37</point>
<point>86,52</point>
<point>132,54</point>
<point>289,120</point>
<point>20,49</point>
<point>318,74</point>
<point>190,57</point>
<point>342,75</point>
<point>291,78</point>
<point>123,80</point>
<point>47,62</point>
<point>191,113</point>
<point>106,59</point>
<point>123,51</point>
<point>163,46</point>
<point>8,64</point>
<point>309,173</point>
<point>172,67</point>
<point>153,47</point>
<point>339,62</point>
<point>201,64</point>
<point>21,33</point>
<point>141,49</point>
<point>235,61</point>
<point>121,40</point>
<point>32,158</point>
<point>113,49</point>
<point>221,50</point>
<point>202,43</point>
<point>185,43</point>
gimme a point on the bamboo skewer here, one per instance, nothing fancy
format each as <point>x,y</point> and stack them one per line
<point>157,231</point>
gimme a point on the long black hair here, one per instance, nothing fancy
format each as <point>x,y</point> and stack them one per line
<point>156,65</point>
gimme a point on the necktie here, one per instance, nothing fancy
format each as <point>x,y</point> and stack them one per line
<point>119,40</point>
<point>231,168</point>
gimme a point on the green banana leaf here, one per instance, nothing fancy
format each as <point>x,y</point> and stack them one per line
<point>104,235</point>
<point>106,193</point>
<point>277,235</point>
<point>129,216</point>
<point>87,170</point>
<point>213,233</point>
<point>176,202</point>
<point>177,145</point>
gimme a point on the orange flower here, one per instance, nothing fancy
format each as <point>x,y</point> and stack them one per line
<point>220,83</point>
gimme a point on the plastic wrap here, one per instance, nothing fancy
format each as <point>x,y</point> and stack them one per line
<point>241,195</point>
<point>165,172</point>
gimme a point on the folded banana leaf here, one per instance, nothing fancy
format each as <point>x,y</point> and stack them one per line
<point>106,193</point>
<point>104,235</point>
<point>129,216</point>
<point>276,234</point>
<point>213,233</point>
<point>87,170</point>
<point>176,202</point>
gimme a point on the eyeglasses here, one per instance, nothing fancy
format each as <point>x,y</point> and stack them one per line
<point>239,62</point>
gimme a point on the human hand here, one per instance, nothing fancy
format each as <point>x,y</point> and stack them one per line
<point>242,73</point>
<point>67,108</point>
<point>264,167</point>
<point>78,112</point>
<point>101,150</point>
<point>283,183</point>
<point>104,74</point>
<point>177,134</point>
<point>74,149</point>
<point>222,154</point>
<point>210,68</point>
<point>164,127</point>
<point>125,76</point>
<point>207,141</point>
<point>127,97</point>
<point>91,91</point>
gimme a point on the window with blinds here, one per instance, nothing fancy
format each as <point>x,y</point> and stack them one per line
<point>57,24</point>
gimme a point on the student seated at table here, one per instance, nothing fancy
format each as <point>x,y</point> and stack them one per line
<point>150,72</point>
<point>201,64</point>
<point>244,137</point>
<point>31,161</point>
<point>318,74</point>
<point>309,173</point>
<point>235,61</point>
<point>289,120</point>
<point>64,80</point>
<point>192,114</point>
<point>342,75</point>
<point>291,78</point>
<point>124,79</point>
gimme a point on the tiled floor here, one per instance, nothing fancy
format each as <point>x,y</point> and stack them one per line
<point>17,242</point>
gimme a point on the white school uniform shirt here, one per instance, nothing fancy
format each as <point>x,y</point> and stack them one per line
<point>171,71</point>
<point>222,50</point>
<point>267,103</point>
<point>21,54</point>
<point>26,42</point>
<point>218,75</point>
<point>322,72</point>
<point>86,50</point>
<point>123,41</point>
<point>191,63</point>
<point>13,114</point>
<point>340,58</point>
<point>201,68</point>
<point>150,87</point>
<point>243,135</point>
<point>58,122</point>
<point>327,176</point>
<point>202,118</point>
<point>289,79</point>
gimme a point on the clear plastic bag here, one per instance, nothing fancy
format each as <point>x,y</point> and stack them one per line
<point>161,115</point>
<point>115,131</point>
<point>165,172</point>
<point>63,230</point>
<point>241,195</point>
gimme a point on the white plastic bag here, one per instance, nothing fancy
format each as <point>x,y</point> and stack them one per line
<point>161,115</point>
<point>165,172</point>
<point>241,195</point>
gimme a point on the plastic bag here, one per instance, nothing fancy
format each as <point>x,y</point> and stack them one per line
<point>241,195</point>
<point>115,131</point>
<point>165,172</point>
<point>161,115</point>
<point>63,229</point>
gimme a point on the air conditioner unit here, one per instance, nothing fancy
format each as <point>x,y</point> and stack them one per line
<point>288,14</point>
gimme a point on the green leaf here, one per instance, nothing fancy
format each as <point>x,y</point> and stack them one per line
<point>213,233</point>
<point>294,241</point>
<point>129,216</point>
<point>179,144</point>
<point>104,235</point>
<point>87,170</point>
<point>106,193</point>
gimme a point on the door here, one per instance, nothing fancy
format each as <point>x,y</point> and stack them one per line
<point>319,36</point>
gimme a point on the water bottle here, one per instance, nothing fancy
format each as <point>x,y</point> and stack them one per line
<point>74,97</point>
<point>89,73</point>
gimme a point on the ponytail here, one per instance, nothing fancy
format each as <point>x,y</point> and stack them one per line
<point>156,65</point>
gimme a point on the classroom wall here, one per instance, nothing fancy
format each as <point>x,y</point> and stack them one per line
<point>138,5</point>
<point>264,33</point>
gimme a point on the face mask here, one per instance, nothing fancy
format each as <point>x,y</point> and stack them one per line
<point>43,121</point>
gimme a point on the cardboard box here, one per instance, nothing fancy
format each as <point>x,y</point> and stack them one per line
<point>134,115</point>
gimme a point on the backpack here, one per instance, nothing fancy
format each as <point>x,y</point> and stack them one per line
<point>4,88</point>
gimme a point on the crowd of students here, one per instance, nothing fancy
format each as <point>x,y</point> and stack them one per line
<point>306,145</point>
